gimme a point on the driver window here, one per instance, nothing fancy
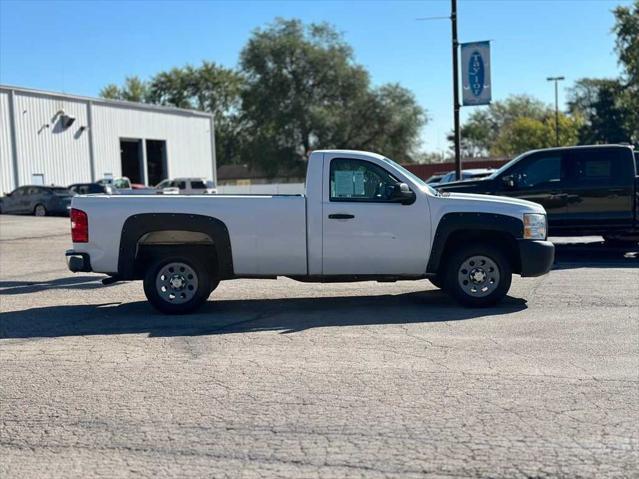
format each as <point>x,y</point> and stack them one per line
<point>545,169</point>
<point>359,180</point>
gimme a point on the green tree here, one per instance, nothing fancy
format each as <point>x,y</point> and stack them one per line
<point>526,133</point>
<point>606,118</point>
<point>627,43</point>
<point>480,133</point>
<point>304,91</point>
<point>627,47</point>
<point>610,107</point>
<point>209,87</point>
<point>133,89</point>
<point>298,89</point>
<point>110,92</point>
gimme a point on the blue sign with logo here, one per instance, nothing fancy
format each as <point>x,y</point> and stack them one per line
<point>476,88</point>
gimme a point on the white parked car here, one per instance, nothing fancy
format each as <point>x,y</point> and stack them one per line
<point>363,217</point>
<point>123,186</point>
<point>187,186</point>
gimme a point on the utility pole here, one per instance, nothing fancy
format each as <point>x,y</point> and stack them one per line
<point>556,80</point>
<point>456,106</point>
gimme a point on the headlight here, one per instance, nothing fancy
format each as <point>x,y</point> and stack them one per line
<point>535,226</point>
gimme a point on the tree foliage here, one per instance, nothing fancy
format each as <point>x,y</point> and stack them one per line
<point>610,107</point>
<point>298,88</point>
<point>304,91</point>
<point>514,125</point>
<point>599,110</point>
<point>627,43</point>
<point>606,118</point>
<point>133,89</point>
<point>526,133</point>
<point>209,87</point>
<point>627,47</point>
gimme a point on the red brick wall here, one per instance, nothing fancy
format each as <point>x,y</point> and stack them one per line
<point>424,171</point>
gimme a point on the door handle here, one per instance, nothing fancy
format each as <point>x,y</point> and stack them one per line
<point>340,216</point>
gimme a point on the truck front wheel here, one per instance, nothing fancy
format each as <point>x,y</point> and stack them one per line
<point>478,275</point>
<point>177,284</point>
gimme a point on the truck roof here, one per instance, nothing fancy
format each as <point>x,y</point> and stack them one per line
<point>352,152</point>
<point>579,147</point>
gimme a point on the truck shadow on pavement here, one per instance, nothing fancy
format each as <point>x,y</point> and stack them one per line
<point>288,315</point>
<point>595,255</point>
<point>69,282</point>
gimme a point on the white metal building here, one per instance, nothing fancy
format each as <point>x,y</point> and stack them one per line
<point>52,138</point>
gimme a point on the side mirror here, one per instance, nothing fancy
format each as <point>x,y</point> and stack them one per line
<point>402,194</point>
<point>509,181</point>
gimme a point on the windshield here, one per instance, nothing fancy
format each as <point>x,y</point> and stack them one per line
<point>503,168</point>
<point>122,183</point>
<point>412,176</point>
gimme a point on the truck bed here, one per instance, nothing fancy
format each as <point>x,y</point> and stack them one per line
<point>267,233</point>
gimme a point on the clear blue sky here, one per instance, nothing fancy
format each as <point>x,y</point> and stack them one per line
<point>78,47</point>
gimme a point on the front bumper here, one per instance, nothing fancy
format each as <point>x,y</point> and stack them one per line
<point>78,262</point>
<point>537,257</point>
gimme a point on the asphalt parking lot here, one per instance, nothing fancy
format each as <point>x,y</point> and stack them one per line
<point>279,378</point>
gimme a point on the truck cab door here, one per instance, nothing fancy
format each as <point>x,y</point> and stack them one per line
<point>366,232</point>
<point>540,178</point>
<point>602,179</point>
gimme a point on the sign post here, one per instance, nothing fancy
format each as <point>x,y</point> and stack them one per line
<point>456,106</point>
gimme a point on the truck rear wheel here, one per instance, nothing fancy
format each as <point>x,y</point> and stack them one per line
<point>478,275</point>
<point>177,284</point>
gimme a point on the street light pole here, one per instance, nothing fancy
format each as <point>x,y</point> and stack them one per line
<point>556,80</point>
<point>456,106</point>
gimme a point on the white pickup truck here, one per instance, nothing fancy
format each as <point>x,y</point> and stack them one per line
<point>363,218</point>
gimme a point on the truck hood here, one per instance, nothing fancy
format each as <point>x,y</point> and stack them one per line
<point>455,202</point>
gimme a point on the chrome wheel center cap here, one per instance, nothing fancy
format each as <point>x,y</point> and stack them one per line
<point>177,281</point>
<point>477,275</point>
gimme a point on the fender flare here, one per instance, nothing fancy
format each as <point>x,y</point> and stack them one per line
<point>138,225</point>
<point>451,223</point>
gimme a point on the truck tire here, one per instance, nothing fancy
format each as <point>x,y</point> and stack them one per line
<point>478,275</point>
<point>177,284</point>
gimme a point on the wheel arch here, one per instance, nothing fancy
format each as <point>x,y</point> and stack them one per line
<point>175,229</point>
<point>455,229</point>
